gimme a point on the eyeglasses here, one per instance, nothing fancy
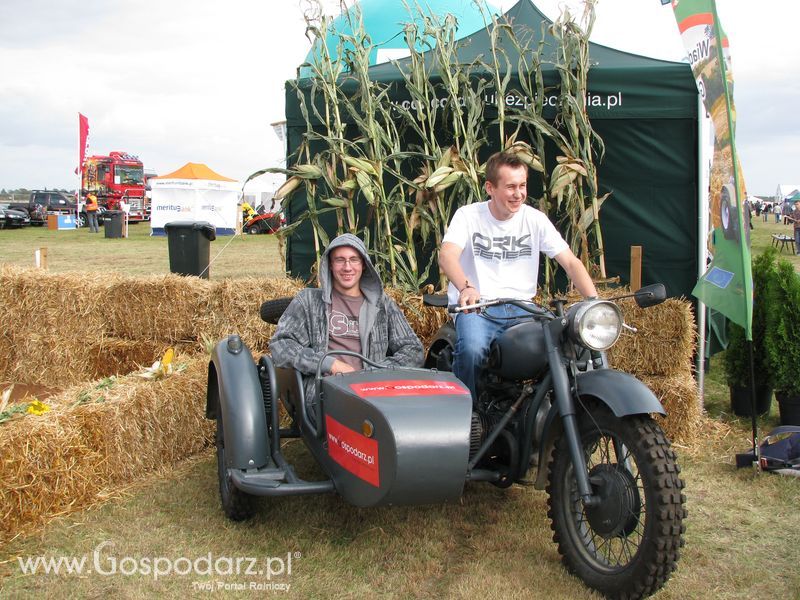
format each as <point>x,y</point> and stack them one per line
<point>340,261</point>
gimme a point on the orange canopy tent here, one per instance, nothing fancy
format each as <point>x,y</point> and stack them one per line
<point>195,171</point>
<point>195,193</point>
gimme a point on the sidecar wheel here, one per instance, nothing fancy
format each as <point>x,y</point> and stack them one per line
<point>237,505</point>
<point>628,545</point>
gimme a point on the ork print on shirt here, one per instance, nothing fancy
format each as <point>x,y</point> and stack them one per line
<point>503,248</point>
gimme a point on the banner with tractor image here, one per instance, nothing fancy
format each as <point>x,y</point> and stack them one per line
<point>727,284</point>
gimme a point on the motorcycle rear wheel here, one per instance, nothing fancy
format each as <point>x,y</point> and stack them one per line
<point>628,546</point>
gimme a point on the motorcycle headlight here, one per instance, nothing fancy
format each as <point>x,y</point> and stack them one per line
<point>595,324</point>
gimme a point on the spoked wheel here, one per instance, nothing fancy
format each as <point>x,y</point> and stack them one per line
<point>627,546</point>
<point>238,505</point>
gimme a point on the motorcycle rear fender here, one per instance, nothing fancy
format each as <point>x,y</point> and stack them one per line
<point>234,388</point>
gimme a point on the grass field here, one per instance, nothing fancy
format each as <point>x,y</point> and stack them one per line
<point>138,254</point>
<point>740,540</point>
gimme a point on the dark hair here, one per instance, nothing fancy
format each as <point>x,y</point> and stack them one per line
<point>501,159</point>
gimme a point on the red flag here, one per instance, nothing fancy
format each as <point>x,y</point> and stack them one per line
<point>83,134</point>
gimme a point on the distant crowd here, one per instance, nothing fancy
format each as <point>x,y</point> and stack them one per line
<point>777,209</point>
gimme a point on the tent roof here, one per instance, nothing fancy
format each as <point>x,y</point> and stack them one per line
<point>644,87</point>
<point>527,21</point>
<point>195,171</point>
<point>383,21</point>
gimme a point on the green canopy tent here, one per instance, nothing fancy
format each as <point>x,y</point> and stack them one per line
<point>646,112</point>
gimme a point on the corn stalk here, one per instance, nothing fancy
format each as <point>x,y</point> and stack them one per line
<point>573,182</point>
<point>410,165</point>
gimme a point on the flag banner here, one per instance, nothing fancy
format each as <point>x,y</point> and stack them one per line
<point>83,140</point>
<point>727,284</point>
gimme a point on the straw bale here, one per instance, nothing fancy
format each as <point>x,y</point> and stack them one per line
<point>155,308</point>
<point>424,320</point>
<point>41,323</point>
<point>61,329</point>
<point>69,457</point>
<point>681,399</point>
<point>664,344</point>
<point>117,356</point>
<point>234,305</point>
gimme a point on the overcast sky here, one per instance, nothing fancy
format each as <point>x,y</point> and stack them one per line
<point>175,81</point>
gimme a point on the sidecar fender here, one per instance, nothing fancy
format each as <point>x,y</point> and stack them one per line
<point>622,393</point>
<point>234,389</point>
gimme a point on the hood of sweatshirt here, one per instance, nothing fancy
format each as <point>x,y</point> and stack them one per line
<point>370,283</point>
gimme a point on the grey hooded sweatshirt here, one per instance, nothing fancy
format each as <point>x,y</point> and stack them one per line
<point>301,337</point>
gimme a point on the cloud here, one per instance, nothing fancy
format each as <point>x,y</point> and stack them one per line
<point>181,80</point>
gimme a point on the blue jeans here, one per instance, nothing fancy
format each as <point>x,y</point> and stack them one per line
<point>475,333</point>
<point>91,218</point>
<point>797,241</point>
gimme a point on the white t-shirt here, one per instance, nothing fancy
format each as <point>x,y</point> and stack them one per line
<point>501,258</point>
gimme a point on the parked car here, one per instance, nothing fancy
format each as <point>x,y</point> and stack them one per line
<point>40,203</point>
<point>11,217</point>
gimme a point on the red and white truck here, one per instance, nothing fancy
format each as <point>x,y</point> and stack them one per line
<point>114,179</point>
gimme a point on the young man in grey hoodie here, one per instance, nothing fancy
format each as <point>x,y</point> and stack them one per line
<point>349,311</point>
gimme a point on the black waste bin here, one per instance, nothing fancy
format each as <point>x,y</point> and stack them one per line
<point>112,223</point>
<point>189,247</point>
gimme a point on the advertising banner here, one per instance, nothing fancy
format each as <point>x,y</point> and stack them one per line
<point>83,140</point>
<point>727,284</point>
<point>215,202</point>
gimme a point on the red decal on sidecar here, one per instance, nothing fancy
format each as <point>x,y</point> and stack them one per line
<point>352,451</point>
<point>408,387</point>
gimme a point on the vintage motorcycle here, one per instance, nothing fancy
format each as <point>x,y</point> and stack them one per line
<point>551,412</point>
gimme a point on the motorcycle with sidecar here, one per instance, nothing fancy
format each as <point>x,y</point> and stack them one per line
<point>550,412</point>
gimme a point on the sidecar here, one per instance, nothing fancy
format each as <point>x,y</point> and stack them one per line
<point>373,432</point>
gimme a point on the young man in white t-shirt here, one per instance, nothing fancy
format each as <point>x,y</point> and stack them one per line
<point>491,250</point>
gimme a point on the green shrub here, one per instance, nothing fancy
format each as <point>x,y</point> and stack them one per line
<point>737,361</point>
<point>783,328</point>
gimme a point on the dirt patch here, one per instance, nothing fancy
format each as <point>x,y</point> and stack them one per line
<point>23,391</point>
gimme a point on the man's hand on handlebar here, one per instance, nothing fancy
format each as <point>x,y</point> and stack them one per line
<point>469,295</point>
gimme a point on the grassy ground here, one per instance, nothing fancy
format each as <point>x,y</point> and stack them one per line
<point>761,238</point>
<point>740,540</point>
<point>138,254</point>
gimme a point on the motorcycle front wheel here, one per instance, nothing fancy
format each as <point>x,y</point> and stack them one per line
<point>628,545</point>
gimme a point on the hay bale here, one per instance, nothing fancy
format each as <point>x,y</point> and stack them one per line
<point>113,356</point>
<point>664,344</point>
<point>63,329</point>
<point>54,323</point>
<point>424,320</point>
<point>44,326</point>
<point>681,399</point>
<point>69,457</point>
<point>158,308</point>
<point>233,307</point>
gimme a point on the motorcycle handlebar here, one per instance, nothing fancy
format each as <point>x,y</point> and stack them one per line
<point>525,305</point>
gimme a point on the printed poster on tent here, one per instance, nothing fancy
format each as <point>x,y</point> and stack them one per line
<point>727,284</point>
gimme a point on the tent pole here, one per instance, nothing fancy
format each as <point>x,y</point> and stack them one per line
<point>702,236</point>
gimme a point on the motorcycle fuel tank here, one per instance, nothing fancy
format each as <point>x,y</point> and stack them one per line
<point>396,436</point>
<point>519,353</point>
